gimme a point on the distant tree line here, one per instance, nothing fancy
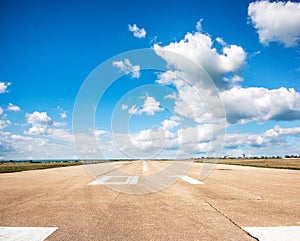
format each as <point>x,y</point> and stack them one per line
<point>291,156</point>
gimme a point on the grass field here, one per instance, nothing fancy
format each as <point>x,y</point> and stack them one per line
<point>26,166</point>
<point>289,163</point>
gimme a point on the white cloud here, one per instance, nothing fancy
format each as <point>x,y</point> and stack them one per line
<point>21,138</point>
<point>192,101</point>
<point>3,87</point>
<point>63,115</point>
<point>33,147</point>
<point>169,124</point>
<point>137,32</point>
<point>62,112</point>
<point>275,136</point>
<point>260,104</point>
<point>128,68</point>
<point>192,134</point>
<point>198,47</point>
<point>148,143</point>
<point>61,135</point>
<point>14,108</point>
<point>276,21</point>
<point>39,118</point>
<point>46,140</point>
<point>255,54</point>
<point>133,110</point>
<point>59,124</point>
<point>197,99</point>
<point>221,41</point>
<point>6,147</point>
<point>86,147</point>
<point>40,123</point>
<point>4,123</point>
<point>100,132</point>
<point>166,141</point>
<point>124,107</point>
<point>199,25</point>
<point>150,106</point>
<point>190,141</point>
<point>172,96</point>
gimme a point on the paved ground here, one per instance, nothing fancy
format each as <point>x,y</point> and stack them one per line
<point>230,198</point>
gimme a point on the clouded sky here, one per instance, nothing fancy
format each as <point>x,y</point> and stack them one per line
<point>216,78</point>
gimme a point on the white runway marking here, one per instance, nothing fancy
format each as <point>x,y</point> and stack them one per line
<point>117,180</point>
<point>25,233</point>
<point>190,180</point>
<point>145,167</point>
<point>281,233</point>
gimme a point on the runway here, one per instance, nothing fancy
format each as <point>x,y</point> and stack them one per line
<point>224,206</point>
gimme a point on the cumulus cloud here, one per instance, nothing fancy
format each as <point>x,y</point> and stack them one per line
<point>128,68</point>
<point>260,104</point>
<point>40,123</point>
<point>150,106</point>
<point>148,143</point>
<point>34,147</point>
<point>274,136</point>
<point>169,124</point>
<point>137,32</point>
<point>189,140</point>
<point>6,147</point>
<point>198,47</point>
<point>196,98</point>
<point>276,21</point>
<point>193,101</point>
<point>42,140</point>
<point>14,108</point>
<point>3,87</point>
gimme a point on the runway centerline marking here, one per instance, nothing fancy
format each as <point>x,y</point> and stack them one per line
<point>26,233</point>
<point>145,167</point>
<point>291,233</point>
<point>116,180</point>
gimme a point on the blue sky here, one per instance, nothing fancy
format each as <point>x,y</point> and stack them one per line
<point>249,50</point>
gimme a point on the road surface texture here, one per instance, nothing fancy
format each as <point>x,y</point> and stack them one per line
<point>231,197</point>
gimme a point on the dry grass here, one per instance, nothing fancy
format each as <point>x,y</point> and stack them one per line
<point>26,166</point>
<point>289,163</point>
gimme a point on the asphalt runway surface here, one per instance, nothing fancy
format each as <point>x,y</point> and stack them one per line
<point>216,208</point>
